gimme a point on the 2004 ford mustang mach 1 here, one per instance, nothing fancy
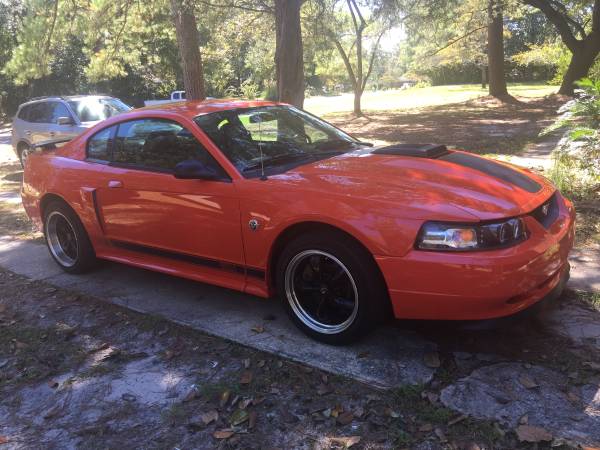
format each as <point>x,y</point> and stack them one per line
<point>267,199</point>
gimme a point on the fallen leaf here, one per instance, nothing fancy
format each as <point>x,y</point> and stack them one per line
<point>432,360</point>
<point>573,397</point>
<point>258,329</point>
<point>524,420</point>
<point>238,417</point>
<point>210,416</point>
<point>327,412</point>
<point>529,433</point>
<point>390,412</point>
<point>223,434</point>
<point>440,434</point>
<point>245,403</point>
<point>345,418</point>
<point>252,416</point>
<point>224,398</point>
<point>347,442</point>
<point>528,382</point>
<point>426,428</point>
<point>260,363</point>
<point>2,308</point>
<point>323,389</point>
<point>432,397</point>
<point>4,440</point>
<point>192,393</point>
<point>591,365</point>
<point>246,377</point>
<point>359,412</point>
<point>456,420</point>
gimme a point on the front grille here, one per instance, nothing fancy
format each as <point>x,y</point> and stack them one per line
<point>547,212</point>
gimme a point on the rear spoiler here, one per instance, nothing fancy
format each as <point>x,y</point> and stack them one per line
<point>52,144</point>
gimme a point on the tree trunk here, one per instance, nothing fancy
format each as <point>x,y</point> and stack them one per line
<point>483,77</point>
<point>289,59</point>
<point>497,80</point>
<point>357,98</point>
<point>582,59</point>
<point>188,42</point>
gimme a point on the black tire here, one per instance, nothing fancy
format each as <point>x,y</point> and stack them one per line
<point>83,258</point>
<point>359,276</point>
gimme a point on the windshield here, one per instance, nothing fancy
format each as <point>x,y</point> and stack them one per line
<point>285,135</point>
<point>93,109</point>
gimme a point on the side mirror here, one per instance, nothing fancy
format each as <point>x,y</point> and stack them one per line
<point>64,121</point>
<point>192,169</point>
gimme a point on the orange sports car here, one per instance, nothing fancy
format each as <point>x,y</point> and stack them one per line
<point>270,200</point>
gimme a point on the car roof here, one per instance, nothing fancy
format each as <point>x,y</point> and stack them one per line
<point>61,97</point>
<point>193,109</point>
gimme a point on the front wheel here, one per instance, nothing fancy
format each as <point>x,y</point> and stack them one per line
<point>331,288</point>
<point>67,239</point>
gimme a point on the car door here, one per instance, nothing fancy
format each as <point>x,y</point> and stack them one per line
<point>55,130</point>
<point>145,208</point>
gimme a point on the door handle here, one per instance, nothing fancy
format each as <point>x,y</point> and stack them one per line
<point>113,184</point>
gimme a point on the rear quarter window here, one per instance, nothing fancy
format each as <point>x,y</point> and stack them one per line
<point>24,113</point>
<point>99,145</point>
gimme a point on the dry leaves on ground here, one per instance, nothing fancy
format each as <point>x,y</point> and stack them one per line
<point>529,433</point>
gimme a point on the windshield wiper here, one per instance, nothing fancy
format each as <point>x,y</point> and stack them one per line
<point>284,157</point>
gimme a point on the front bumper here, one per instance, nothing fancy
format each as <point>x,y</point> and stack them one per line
<point>486,284</point>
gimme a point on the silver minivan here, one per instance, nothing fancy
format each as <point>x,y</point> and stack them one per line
<point>54,118</point>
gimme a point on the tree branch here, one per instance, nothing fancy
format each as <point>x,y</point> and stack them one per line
<point>454,41</point>
<point>372,60</point>
<point>558,20</point>
<point>346,60</point>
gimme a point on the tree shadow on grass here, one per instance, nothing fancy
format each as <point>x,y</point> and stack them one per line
<point>483,125</point>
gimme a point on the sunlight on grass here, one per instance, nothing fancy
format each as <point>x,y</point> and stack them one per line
<point>416,97</point>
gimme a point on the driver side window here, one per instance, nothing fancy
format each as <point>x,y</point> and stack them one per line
<point>158,145</point>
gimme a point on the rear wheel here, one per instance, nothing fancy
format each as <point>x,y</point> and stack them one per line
<point>331,288</point>
<point>67,239</point>
<point>24,151</point>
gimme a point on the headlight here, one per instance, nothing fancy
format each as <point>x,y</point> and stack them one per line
<point>460,237</point>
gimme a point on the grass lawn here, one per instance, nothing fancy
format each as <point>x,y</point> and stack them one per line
<point>416,97</point>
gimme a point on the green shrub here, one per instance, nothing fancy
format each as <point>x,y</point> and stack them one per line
<point>576,169</point>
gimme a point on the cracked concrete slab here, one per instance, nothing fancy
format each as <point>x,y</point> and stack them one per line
<point>576,322</point>
<point>387,358</point>
<point>551,401</point>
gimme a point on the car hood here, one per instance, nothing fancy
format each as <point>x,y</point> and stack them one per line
<point>458,186</point>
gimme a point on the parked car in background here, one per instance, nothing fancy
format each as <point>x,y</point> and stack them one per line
<point>176,96</point>
<point>269,200</point>
<point>59,118</point>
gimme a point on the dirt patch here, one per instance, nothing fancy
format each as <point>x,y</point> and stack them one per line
<point>77,372</point>
<point>480,125</point>
<point>13,220</point>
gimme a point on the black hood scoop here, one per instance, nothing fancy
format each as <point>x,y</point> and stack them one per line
<point>430,151</point>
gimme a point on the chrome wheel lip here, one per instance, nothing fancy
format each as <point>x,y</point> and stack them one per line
<point>53,241</point>
<point>296,305</point>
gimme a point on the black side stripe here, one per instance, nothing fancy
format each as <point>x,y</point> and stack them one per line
<point>197,260</point>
